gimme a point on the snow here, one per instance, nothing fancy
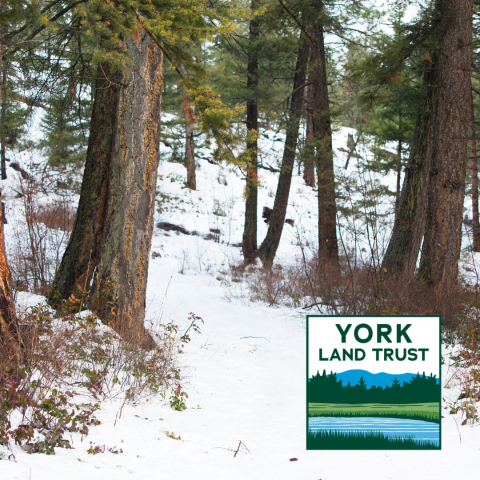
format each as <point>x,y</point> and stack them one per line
<point>244,374</point>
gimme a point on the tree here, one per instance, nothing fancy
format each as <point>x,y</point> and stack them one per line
<point>432,196</point>
<point>65,125</point>
<point>10,343</point>
<point>114,222</point>
<point>122,268</point>
<point>474,175</point>
<point>81,255</point>
<point>189,141</point>
<point>112,232</point>
<point>9,331</point>
<point>308,162</point>
<point>446,189</point>
<point>392,120</point>
<point>249,242</point>
<point>322,131</point>
<point>269,246</point>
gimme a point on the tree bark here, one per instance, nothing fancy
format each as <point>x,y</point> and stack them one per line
<point>2,101</point>
<point>121,277</point>
<point>402,251</point>
<point>2,120</point>
<point>9,330</point>
<point>189,143</point>
<point>309,165</point>
<point>399,177</point>
<point>190,154</point>
<point>81,255</point>
<point>327,210</point>
<point>269,247</point>
<point>249,243</point>
<point>474,174</point>
<point>443,231</point>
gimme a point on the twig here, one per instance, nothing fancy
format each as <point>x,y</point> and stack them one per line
<point>458,430</point>
<point>240,443</point>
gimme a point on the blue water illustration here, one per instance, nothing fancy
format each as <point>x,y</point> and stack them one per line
<point>391,427</point>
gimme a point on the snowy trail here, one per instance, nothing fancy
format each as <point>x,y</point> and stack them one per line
<point>246,389</point>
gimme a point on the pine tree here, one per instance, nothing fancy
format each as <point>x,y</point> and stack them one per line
<point>270,244</point>
<point>114,223</point>
<point>446,189</point>
<point>65,124</point>
<point>432,196</point>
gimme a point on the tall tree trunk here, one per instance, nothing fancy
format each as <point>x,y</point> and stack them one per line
<point>399,177</point>
<point>9,331</point>
<point>269,247</point>
<point>327,210</point>
<point>121,277</point>
<point>402,252</point>
<point>190,154</point>
<point>443,230</point>
<point>81,255</point>
<point>309,165</point>
<point>249,243</point>
<point>2,100</point>
<point>474,174</point>
<point>189,143</point>
<point>2,120</point>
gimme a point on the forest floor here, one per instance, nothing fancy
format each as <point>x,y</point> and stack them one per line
<point>244,373</point>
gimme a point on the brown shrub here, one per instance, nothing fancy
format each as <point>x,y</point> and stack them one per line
<point>40,235</point>
<point>360,291</point>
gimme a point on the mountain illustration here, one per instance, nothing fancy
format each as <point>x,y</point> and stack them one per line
<point>376,379</point>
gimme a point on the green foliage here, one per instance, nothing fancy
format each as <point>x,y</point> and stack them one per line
<point>326,388</point>
<point>65,125</point>
<point>337,440</point>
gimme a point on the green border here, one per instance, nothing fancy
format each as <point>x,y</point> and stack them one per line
<point>385,316</point>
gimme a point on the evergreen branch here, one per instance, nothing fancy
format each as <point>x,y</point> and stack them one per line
<point>302,27</point>
<point>292,93</point>
<point>53,19</point>
<point>20,30</point>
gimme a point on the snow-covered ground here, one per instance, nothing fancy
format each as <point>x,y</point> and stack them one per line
<point>244,374</point>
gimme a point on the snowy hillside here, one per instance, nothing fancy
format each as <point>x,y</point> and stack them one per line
<point>245,373</point>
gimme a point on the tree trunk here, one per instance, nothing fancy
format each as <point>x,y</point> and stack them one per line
<point>189,143</point>
<point>2,101</point>
<point>327,210</point>
<point>121,277</point>
<point>81,255</point>
<point>190,153</point>
<point>474,171</point>
<point>309,165</point>
<point>9,330</point>
<point>269,247</point>
<point>443,230</point>
<point>402,251</point>
<point>399,177</point>
<point>2,120</point>
<point>249,243</point>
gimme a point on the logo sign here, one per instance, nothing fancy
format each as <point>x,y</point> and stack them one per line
<point>373,383</point>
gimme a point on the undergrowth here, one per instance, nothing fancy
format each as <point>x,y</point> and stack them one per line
<point>72,363</point>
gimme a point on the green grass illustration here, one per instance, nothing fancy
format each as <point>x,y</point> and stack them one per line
<point>337,440</point>
<point>428,412</point>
